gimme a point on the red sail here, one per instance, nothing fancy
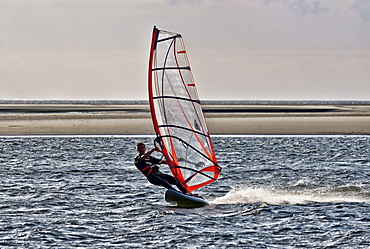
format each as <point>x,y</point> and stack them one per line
<point>177,114</point>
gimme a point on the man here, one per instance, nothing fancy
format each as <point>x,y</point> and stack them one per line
<point>147,164</point>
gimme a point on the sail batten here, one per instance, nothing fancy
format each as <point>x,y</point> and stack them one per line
<point>184,128</point>
<point>168,38</point>
<point>169,68</point>
<point>174,97</point>
<point>177,115</point>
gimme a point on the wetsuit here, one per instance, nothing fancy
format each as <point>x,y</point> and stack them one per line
<point>149,168</point>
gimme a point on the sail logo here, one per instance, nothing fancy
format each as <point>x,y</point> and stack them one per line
<point>196,125</point>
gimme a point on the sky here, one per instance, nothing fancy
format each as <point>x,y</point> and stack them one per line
<point>238,49</point>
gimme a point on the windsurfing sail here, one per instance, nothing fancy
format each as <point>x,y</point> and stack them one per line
<point>177,114</point>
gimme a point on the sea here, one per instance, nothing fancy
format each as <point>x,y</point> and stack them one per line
<point>274,192</point>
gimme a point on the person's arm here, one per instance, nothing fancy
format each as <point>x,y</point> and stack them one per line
<point>146,155</point>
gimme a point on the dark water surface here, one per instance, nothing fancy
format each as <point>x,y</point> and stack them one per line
<point>274,192</point>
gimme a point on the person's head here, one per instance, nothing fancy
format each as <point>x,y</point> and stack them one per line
<point>140,147</point>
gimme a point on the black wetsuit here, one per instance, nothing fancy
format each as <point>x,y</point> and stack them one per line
<point>149,168</point>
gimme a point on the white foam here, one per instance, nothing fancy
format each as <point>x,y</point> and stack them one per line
<point>272,196</point>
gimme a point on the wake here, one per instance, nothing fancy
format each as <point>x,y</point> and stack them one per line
<point>278,197</point>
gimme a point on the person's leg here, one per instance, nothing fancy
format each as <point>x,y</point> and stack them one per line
<point>171,180</point>
<point>156,180</point>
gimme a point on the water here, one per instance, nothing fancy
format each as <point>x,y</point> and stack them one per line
<point>274,192</point>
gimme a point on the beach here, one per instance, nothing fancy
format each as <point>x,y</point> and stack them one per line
<point>231,118</point>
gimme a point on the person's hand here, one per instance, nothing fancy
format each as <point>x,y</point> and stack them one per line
<point>200,164</point>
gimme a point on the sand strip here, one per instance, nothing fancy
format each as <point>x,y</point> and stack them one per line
<point>135,120</point>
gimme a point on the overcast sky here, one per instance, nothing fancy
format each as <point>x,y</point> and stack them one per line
<point>238,49</point>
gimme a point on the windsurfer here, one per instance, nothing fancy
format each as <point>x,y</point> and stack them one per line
<point>148,165</point>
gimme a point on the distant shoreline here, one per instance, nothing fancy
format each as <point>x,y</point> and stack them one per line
<point>23,117</point>
<point>204,102</point>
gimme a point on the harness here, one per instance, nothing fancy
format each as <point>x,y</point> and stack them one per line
<point>146,169</point>
<point>150,170</point>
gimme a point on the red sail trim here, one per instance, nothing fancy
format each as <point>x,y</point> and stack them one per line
<point>150,79</point>
<point>209,169</point>
<point>195,187</point>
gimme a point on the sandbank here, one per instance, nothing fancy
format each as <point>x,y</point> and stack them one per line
<point>134,119</point>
